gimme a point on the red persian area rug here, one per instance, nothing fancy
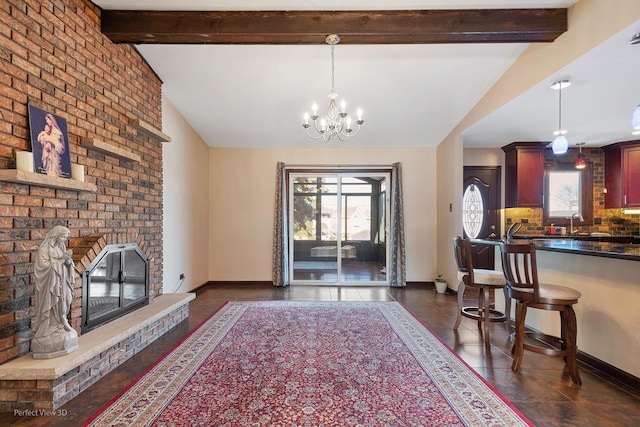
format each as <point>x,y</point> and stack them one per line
<point>288,363</point>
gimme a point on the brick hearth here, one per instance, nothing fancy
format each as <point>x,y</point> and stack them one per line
<point>30,384</point>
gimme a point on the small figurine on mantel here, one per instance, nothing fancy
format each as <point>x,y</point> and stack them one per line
<point>55,275</point>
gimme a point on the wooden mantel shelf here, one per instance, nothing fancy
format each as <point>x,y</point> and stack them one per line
<point>109,149</point>
<point>32,178</point>
<point>147,129</point>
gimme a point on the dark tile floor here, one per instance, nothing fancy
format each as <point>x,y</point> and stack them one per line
<point>542,389</point>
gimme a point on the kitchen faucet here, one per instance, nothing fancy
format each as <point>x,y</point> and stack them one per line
<point>515,227</point>
<point>580,217</point>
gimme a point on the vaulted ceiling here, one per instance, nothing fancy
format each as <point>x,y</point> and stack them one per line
<point>243,73</point>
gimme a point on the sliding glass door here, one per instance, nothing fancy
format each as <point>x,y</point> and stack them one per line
<point>338,227</point>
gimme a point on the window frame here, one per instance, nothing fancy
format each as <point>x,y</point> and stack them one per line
<point>586,194</point>
<point>374,196</point>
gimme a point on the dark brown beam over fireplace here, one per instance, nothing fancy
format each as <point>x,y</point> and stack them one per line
<point>354,27</point>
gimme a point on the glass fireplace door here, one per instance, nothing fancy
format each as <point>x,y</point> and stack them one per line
<point>114,284</point>
<point>104,292</point>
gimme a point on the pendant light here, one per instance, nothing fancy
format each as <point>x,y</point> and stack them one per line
<point>635,118</point>
<point>580,161</point>
<point>635,121</point>
<point>560,144</point>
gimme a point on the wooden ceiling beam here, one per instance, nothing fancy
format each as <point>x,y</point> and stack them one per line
<point>354,27</point>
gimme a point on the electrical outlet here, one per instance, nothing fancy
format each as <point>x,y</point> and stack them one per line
<point>181,276</point>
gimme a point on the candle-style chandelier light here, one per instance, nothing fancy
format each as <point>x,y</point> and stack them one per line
<point>336,123</point>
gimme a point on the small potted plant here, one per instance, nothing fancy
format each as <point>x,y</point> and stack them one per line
<point>441,284</point>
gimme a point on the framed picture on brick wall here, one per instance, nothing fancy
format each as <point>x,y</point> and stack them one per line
<point>49,143</point>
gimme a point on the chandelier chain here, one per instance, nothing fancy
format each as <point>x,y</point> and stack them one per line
<point>560,109</point>
<point>333,70</point>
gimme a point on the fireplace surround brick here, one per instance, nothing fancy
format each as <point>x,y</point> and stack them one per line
<point>55,57</point>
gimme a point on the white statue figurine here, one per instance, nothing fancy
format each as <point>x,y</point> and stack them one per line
<point>55,276</point>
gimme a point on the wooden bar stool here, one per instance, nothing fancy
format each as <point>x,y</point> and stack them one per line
<point>521,271</point>
<point>484,281</point>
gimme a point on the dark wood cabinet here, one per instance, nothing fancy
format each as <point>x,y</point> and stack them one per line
<point>622,175</point>
<point>524,174</point>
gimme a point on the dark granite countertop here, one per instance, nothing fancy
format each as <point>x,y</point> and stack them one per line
<point>587,237</point>
<point>628,251</point>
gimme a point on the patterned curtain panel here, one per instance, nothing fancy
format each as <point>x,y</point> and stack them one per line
<point>281,231</point>
<point>397,263</point>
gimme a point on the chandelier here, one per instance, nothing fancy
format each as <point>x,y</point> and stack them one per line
<point>336,123</point>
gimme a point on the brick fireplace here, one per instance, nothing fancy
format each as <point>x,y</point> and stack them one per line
<point>55,57</point>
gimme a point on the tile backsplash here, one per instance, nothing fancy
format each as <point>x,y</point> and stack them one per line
<point>611,221</point>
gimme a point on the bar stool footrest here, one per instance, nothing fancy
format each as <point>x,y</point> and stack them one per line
<point>476,313</point>
<point>541,343</point>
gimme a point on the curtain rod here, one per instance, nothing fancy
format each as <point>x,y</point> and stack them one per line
<point>294,166</point>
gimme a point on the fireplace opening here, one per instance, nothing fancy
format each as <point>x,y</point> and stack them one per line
<point>114,284</point>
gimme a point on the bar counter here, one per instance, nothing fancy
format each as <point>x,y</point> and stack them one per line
<point>607,276</point>
<point>592,247</point>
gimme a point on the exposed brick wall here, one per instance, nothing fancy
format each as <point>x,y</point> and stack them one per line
<point>611,221</point>
<point>54,57</point>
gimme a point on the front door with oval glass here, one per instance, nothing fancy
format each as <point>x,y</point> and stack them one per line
<point>481,211</point>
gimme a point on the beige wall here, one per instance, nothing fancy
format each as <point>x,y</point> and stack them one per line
<point>242,198</point>
<point>449,195</point>
<point>483,157</point>
<point>186,203</point>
